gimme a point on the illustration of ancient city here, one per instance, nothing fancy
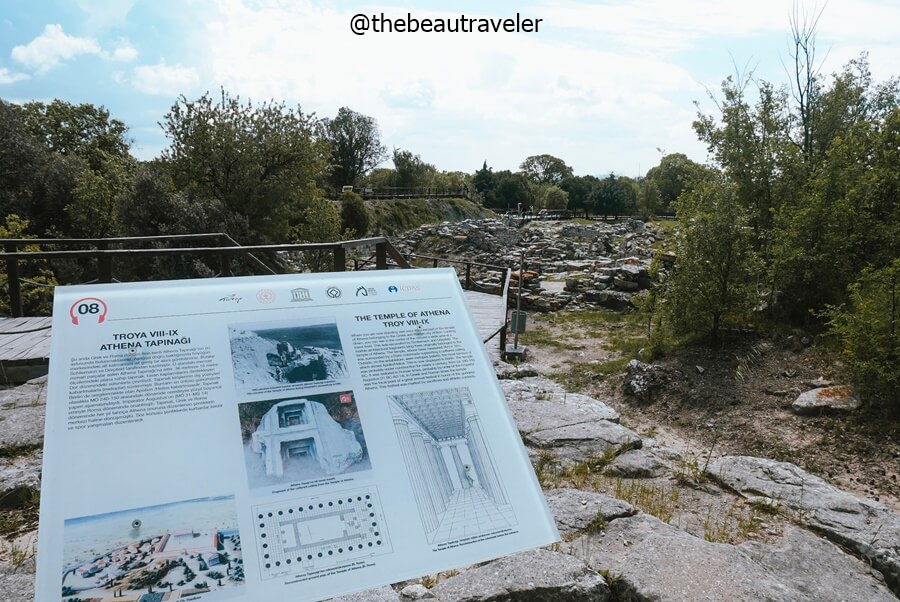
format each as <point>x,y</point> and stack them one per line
<point>456,485</point>
<point>159,553</point>
<point>325,530</point>
<point>280,356</point>
<point>299,439</point>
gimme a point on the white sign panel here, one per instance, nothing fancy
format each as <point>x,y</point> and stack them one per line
<point>272,438</point>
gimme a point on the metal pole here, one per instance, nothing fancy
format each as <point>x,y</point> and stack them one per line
<point>519,301</point>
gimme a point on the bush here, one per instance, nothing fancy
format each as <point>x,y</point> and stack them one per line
<point>868,328</point>
<point>354,215</point>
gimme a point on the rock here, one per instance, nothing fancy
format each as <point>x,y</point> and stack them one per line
<point>576,510</point>
<point>655,561</point>
<point>21,473</point>
<point>416,591</point>
<point>826,399</point>
<point>533,576</point>
<point>16,584</point>
<point>380,594</point>
<point>22,411</point>
<point>616,300</point>
<point>507,371</point>
<point>818,569</point>
<point>577,442</point>
<point>866,528</point>
<point>636,464</point>
<point>642,380</point>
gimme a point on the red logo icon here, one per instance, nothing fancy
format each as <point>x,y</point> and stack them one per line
<point>88,306</point>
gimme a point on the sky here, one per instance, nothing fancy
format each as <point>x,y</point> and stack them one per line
<point>607,86</point>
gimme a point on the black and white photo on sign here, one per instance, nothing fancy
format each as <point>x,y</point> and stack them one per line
<point>279,355</point>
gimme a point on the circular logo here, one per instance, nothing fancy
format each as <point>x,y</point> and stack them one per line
<point>334,292</point>
<point>392,289</point>
<point>265,296</point>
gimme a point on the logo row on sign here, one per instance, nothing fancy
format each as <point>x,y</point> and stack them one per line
<point>93,308</point>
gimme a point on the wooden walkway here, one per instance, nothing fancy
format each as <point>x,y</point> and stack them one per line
<point>23,339</point>
<point>489,312</point>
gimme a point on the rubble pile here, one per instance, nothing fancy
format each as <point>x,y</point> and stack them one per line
<point>566,263</point>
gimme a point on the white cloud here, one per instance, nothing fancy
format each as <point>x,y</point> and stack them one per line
<point>51,48</point>
<point>10,77</point>
<point>163,79</point>
<point>125,53</point>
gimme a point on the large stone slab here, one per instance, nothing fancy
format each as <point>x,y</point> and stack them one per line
<point>816,568</point>
<point>826,400</point>
<point>636,464</point>
<point>576,510</point>
<point>540,404</point>
<point>16,584</point>
<point>867,528</point>
<point>533,576</point>
<point>651,560</point>
<point>22,412</point>
<point>578,442</point>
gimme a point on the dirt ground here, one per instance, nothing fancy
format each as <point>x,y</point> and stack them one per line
<point>730,400</point>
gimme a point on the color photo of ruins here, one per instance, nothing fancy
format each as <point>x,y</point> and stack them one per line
<point>159,553</point>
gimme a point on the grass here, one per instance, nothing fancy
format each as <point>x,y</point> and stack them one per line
<point>659,500</point>
<point>733,526</point>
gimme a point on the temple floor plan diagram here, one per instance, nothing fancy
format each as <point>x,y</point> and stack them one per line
<point>456,485</point>
<point>300,535</point>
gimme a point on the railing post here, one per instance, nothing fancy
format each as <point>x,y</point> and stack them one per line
<point>381,256</point>
<point>12,276</point>
<point>435,262</point>
<point>340,259</point>
<point>468,275</point>
<point>224,264</point>
<point>104,263</point>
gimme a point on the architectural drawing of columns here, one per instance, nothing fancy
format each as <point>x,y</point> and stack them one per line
<point>426,511</point>
<point>487,474</point>
<point>450,467</point>
<point>434,492</point>
<point>458,464</point>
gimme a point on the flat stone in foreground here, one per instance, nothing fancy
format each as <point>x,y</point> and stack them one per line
<point>867,528</point>
<point>380,594</point>
<point>533,576</point>
<point>576,510</point>
<point>578,442</point>
<point>22,412</point>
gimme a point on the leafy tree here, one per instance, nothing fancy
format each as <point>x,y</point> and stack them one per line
<point>580,189</point>
<point>674,174</point>
<point>713,283</point>
<point>510,191</point>
<point>319,222</point>
<point>260,162</point>
<point>356,147</point>
<point>869,327</point>
<point>38,278</point>
<point>354,215</point>
<point>611,196</point>
<point>410,171</point>
<point>551,197</point>
<point>545,169</point>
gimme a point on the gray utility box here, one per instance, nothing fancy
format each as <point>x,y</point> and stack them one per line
<point>517,321</point>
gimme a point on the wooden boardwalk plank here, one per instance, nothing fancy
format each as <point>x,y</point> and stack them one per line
<point>488,311</point>
<point>23,339</point>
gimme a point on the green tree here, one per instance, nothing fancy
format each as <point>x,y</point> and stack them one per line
<point>37,278</point>
<point>869,327</point>
<point>674,174</point>
<point>714,279</point>
<point>354,215</point>
<point>260,162</point>
<point>410,171</point>
<point>319,222</point>
<point>551,197</point>
<point>545,169</point>
<point>355,143</point>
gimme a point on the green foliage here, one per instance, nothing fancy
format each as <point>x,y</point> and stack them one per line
<point>545,169</point>
<point>713,282</point>
<point>550,197</point>
<point>869,327</point>
<point>319,222</point>
<point>37,277</point>
<point>664,183</point>
<point>354,215</point>
<point>355,145</point>
<point>260,162</point>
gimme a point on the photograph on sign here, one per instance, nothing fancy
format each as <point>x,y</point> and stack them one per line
<point>299,439</point>
<point>124,554</point>
<point>280,356</point>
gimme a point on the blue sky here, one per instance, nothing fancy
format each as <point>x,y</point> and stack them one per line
<point>603,85</point>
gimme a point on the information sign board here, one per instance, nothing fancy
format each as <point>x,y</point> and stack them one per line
<point>272,438</point>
